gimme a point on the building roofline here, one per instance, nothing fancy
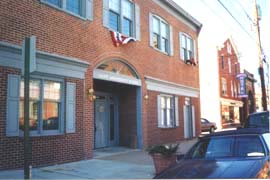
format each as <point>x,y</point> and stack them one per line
<point>183,13</point>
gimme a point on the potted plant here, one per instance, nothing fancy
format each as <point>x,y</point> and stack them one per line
<point>163,155</point>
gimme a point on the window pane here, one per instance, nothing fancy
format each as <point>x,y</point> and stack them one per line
<point>54,2</point>
<point>114,5</point>
<point>34,89</point>
<point>249,146</point>
<point>164,30</point>
<point>155,25</point>
<point>183,41</point>
<point>50,115</point>
<point>156,43</point>
<point>114,21</point>
<point>73,6</point>
<point>162,102</point>
<point>127,9</point>
<point>52,90</point>
<point>164,45</point>
<point>127,27</point>
<point>33,114</point>
<point>220,147</point>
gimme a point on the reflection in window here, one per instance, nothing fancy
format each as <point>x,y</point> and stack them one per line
<point>118,67</point>
<point>160,34</point>
<point>121,14</point>
<point>51,103</point>
<point>73,6</point>
<point>45,102</point>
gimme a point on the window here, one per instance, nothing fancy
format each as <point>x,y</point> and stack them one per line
<point>121,16</point>
<point>224,86</point>
<point>44,106</point>
<point>82,8</point>
<point>229,64</point>
<point>187,47</point>
<point>160,34</point>
<point>222,62</point>
<point>167,111</point>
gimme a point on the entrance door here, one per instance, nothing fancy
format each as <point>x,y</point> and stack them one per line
<point>106,119</point>
<point>101,123</point>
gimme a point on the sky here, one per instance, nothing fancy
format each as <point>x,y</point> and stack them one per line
<point>219,25</point>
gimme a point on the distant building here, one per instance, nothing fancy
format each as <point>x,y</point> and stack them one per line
<point>249,101</point>
<point>229,88</point>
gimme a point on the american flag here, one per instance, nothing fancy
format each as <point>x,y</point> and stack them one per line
<point>119,39</point>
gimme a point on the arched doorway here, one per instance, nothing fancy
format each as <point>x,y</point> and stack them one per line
<point>117,112</point>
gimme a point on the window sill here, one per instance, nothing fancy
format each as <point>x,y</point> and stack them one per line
<point>63,10</point>
<point>167,127</point>
<point>36,134</point>
<point>165,53</point>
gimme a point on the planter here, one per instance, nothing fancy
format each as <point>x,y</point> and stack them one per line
<point>161,162</point>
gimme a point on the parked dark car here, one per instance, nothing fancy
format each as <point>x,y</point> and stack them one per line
<point>242,153</point>
<point>208,126</point>
<point>258,119</point>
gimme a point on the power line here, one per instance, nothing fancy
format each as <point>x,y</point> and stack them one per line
<point>234,18</point>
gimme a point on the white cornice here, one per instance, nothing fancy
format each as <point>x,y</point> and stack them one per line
<point>159,85</point>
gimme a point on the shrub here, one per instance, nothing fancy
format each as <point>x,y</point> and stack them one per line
<point>164,149</point>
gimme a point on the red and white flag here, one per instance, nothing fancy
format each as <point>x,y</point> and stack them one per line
<point>119,39</point>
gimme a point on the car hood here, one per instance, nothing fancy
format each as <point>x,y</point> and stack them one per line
<point>234,168</point>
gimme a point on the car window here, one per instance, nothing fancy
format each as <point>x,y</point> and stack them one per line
<point>248,146</point>
<point>259,120</point>
<point>267,139</point>
<point>213,148</point>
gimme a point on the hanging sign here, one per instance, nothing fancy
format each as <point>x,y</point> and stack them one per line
<point>242,82</point>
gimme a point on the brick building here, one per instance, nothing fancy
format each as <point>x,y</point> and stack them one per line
<point>229,68</point>
<point>89,91</point>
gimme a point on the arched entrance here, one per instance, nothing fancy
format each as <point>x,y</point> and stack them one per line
<point>117,112</point>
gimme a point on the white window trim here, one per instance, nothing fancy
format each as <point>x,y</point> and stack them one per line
<point>175,113</point>
<point>193,45</point>
<point>168,29</point>
<point>224,89</point>
<point>133,33</point>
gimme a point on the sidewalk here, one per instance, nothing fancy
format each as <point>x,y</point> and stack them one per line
<point>130,164</point>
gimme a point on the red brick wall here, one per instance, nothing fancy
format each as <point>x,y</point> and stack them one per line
<point>45,149</point>
<point>224,73</point>
<point>168,135</point>
<point>60,33</point>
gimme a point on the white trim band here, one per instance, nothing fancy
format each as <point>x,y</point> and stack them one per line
<point>158,85</point>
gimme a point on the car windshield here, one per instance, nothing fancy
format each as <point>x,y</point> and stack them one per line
<point>225,147</point>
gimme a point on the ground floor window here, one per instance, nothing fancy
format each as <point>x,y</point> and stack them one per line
<point>44,106</point>
<point>230,115</point>
<point>167,111</point>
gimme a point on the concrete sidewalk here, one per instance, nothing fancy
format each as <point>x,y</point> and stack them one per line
<point>129,164</point>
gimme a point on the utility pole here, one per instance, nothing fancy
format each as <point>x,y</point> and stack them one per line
<point>261,70</point>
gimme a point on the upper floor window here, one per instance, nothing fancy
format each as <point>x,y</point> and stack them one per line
<point>121,16</point>
<point>187,47</point>
<point>224,86</point>
<point>160,34</point>
<point>230,65</point>
<point>83,8</point>
<point>222,62</point>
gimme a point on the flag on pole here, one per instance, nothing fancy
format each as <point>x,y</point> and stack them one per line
<point>120,39</point>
